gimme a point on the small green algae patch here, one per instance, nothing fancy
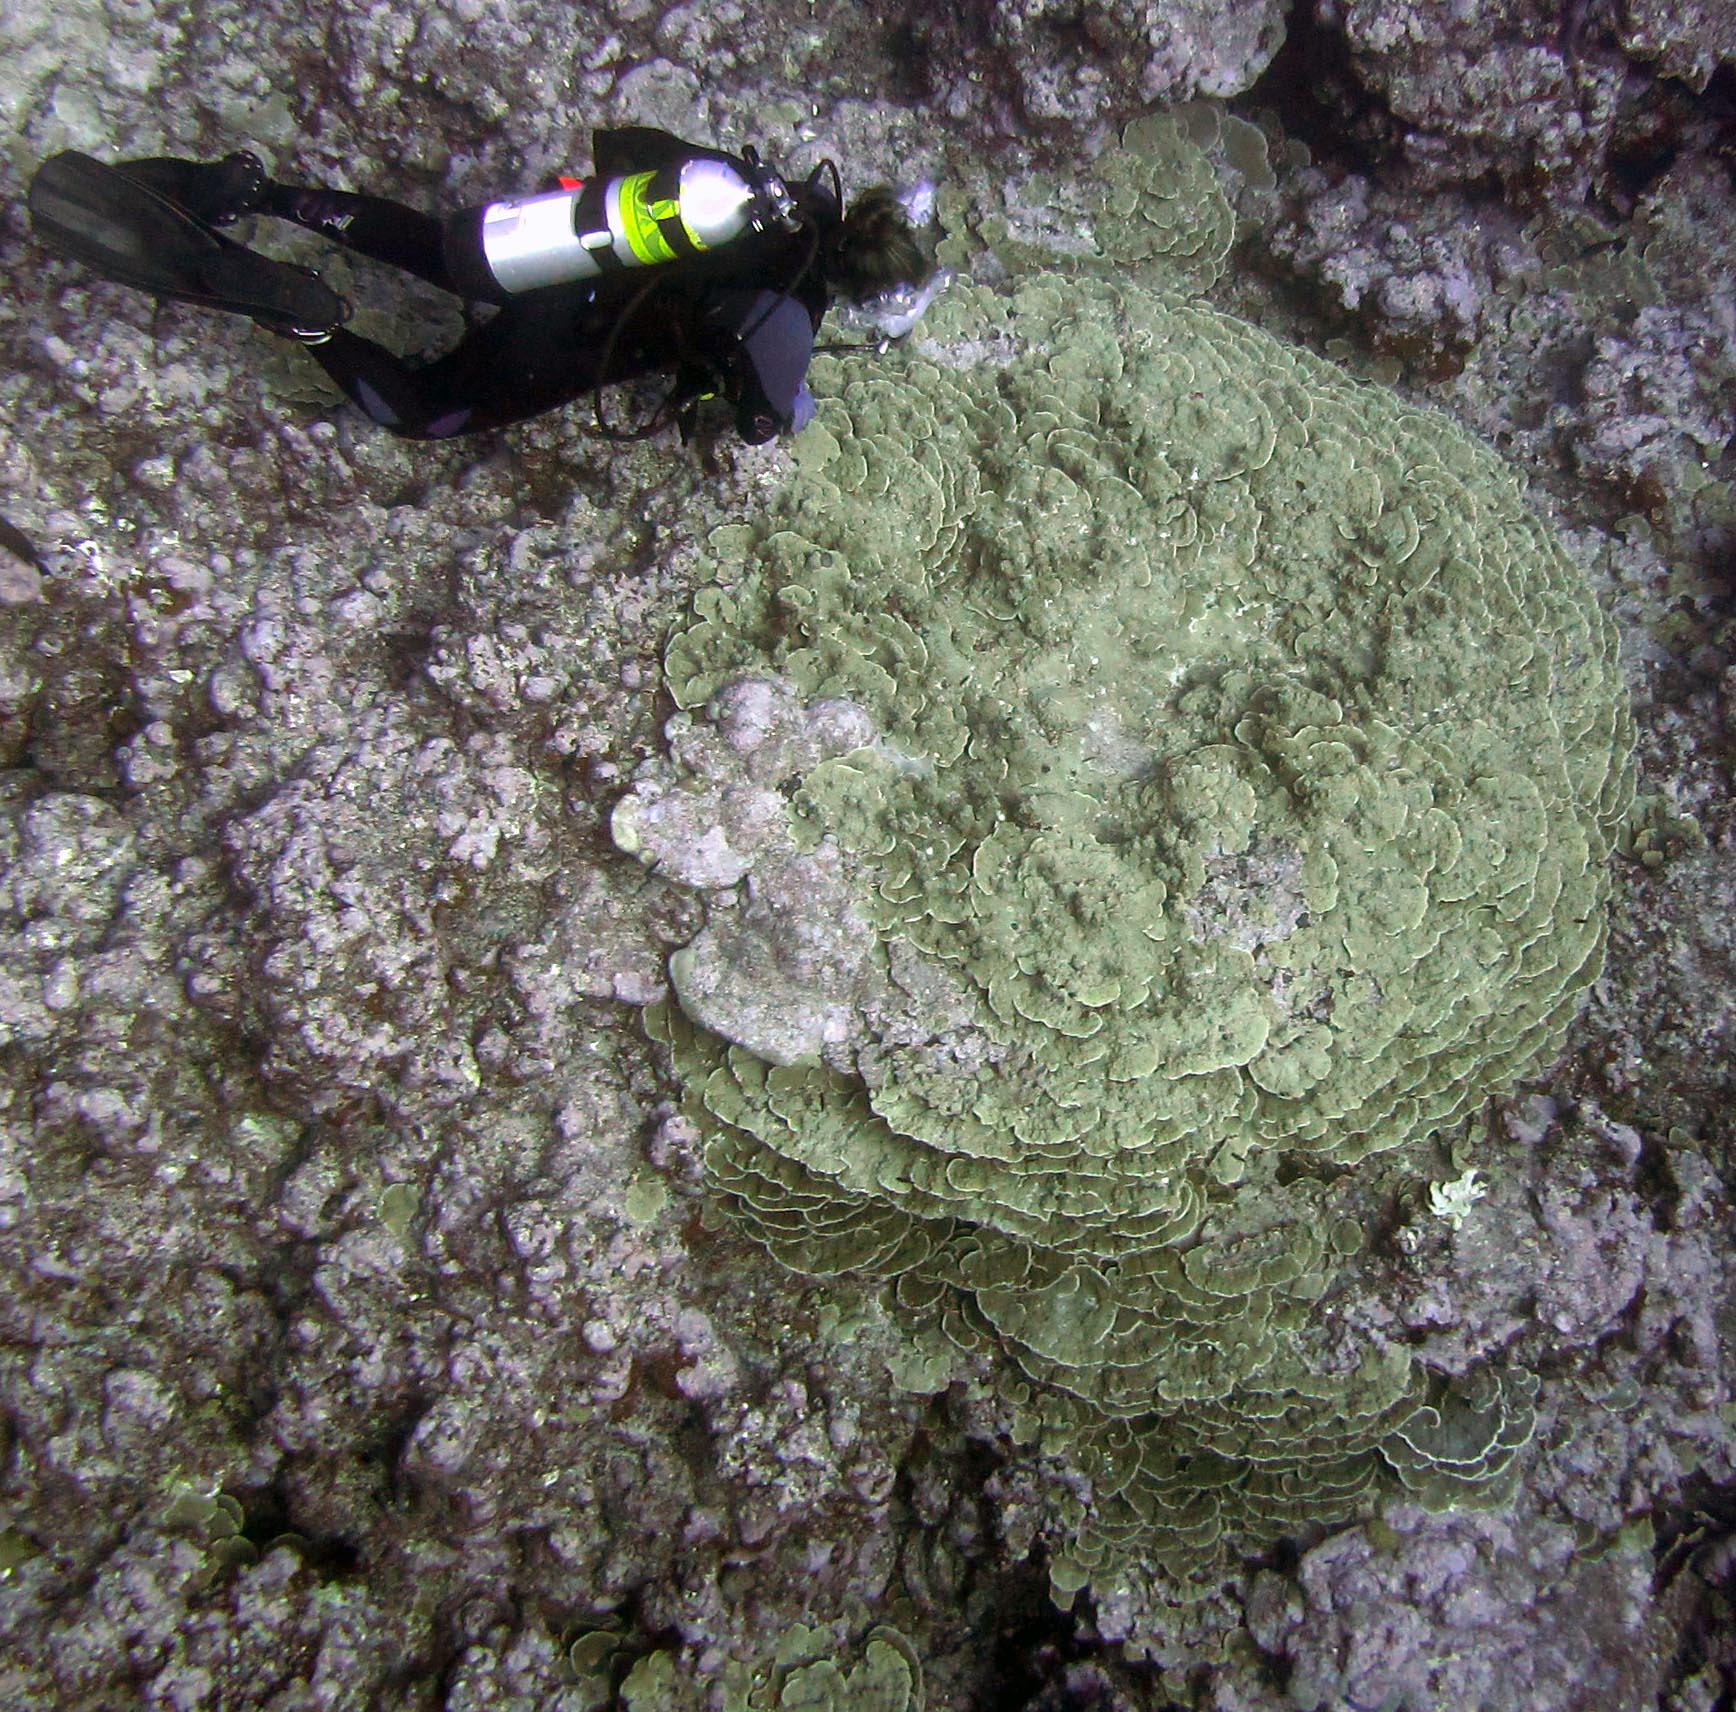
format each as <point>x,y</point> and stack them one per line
<point>397,1208</point>
<point>16,1550</point>
<point>1249,758</point>
<point>646,1198</point>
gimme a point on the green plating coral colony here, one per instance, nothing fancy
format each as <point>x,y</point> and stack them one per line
<point>1240,764</point>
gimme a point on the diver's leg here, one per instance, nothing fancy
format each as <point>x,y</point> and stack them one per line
<point>474,387</point>
<point>528,359</point>
<point>404,397</point>
<point>372,226</point>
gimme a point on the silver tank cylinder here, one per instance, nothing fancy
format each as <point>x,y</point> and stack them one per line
<point>640,220</point>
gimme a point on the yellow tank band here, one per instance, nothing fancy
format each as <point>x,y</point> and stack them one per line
<point>639,220</point>
<point>672,209</point>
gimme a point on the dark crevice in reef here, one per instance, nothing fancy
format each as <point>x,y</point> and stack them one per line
<point>1661,121</point>
<point>1312,87</point>
<point>382,1454</point>
<point>1703,1516</point>
<point>1025,1654</point>
<point>1694,1553</point>
<point>1031,1650</point>
<point>923,47</point>
<point>1720,102</point>
<point>1635,163</point>
<point>909,53</point>
<point>268,1519</point>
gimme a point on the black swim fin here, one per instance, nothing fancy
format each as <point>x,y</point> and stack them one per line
<point>123,230</point>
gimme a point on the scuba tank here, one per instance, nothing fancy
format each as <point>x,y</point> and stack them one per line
<point>586,230</point>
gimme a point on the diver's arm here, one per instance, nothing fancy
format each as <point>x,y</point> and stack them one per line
<point>761,342</point>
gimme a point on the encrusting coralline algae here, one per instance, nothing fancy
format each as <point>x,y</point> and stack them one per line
<point>1209,781</point>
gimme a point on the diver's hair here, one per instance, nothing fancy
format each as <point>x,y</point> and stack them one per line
<point>876,249</point>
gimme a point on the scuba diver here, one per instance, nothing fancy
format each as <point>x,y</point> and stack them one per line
<point>671,259</point>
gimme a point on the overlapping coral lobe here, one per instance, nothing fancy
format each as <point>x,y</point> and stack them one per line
<point>1248,760</point>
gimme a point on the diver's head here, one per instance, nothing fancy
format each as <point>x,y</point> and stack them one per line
<point>876,248</point>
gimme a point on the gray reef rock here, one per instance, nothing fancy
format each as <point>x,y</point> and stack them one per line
<point>1512,87</point>
<point>1087,64</point>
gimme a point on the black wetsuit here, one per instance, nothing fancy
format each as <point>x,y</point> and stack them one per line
<point>740,320</point>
